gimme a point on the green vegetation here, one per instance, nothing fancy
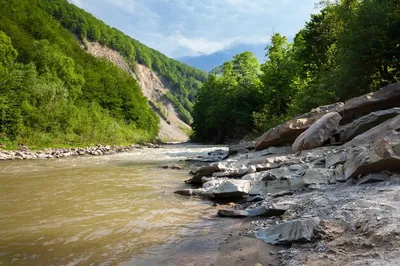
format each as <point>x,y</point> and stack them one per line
<point>52,92</point>
<point>351,47</point>
<point>183,81</point>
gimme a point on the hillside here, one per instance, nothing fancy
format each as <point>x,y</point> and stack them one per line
<point>55,93</point>
<point>154,88</point>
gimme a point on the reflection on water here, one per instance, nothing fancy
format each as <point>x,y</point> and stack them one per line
<point>95,210</point>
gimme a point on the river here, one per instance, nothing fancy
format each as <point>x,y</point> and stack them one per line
<point>108,210</point>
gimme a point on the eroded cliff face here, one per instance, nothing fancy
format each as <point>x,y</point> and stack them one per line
<point>154,88</point>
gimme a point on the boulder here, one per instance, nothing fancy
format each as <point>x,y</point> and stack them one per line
<point>301,230</point>
<point>232,189</point>
<point>383,154</point>
<point>317,134</point>
<point>287,132</point>
<point>362,124</point>
<point>385,98</point>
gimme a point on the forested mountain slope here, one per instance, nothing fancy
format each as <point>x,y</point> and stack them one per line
<point>53,92</point>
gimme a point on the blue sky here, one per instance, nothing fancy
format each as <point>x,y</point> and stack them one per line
<point>191,27</point>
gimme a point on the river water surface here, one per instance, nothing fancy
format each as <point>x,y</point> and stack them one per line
<point>107,210</point>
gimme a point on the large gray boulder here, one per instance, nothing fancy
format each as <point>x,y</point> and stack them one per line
<point>385,98</point>
<point>382,155</point>
<point>286,133</point>
<point>206,170</point>
<point>317,134</point>
<point>302,230</point>
<point>362,124</point>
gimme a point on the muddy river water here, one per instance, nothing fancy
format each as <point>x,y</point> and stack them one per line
<point>108,210</point>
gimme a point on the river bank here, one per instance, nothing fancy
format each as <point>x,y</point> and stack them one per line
<point>23,153</point>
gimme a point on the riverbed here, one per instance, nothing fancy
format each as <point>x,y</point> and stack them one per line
<point>107,210</point>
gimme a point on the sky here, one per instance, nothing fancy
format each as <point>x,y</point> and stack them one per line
<point>180,28</point>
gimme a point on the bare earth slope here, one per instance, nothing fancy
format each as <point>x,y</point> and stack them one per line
<point>154,89</point>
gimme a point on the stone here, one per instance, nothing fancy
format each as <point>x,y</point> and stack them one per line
<point>278,150</point>
<point>232,189</point>
<point>232,213</point>
<point>318,133</point>
<point>382,155</point>
<point>372,178</point>
<point>269,210</point>
<point>385,98</point>
<point>252,169</point>
<point>188,192</point>
<point>287,132</point>
<point>234,172</point>
<point>206,170</point>
<point>319,176</point>
<point>363,124</point>
<point>335,159</point>
<point>243,147</point>
<point>301,230</point>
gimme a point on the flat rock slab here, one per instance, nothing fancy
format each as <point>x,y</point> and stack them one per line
<point>301,230</point>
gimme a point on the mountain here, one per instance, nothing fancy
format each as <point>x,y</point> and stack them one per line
<point>67,78</point>
<point>208,62</point>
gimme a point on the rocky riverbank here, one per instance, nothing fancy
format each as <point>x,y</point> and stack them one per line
<point>24,153</point>
<point>323,188</point>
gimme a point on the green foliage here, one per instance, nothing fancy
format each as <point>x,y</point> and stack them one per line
<point>52,92</point>
<point>225,103</point>
<point>350,48</point>
<point>184,81</point>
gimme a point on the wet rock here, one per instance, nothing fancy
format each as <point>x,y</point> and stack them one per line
<point>302,230</point>
<point>287,132</point>
<point>188,192</point>
<point>383,154</point>
<point>269,210</point>
<point>256,198</point>
<point>363,124</point>
<point>232,213</point>
<point>383,99</point>
<point>172,166</point>
<point>318,133</point>
<point>372,178</point>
